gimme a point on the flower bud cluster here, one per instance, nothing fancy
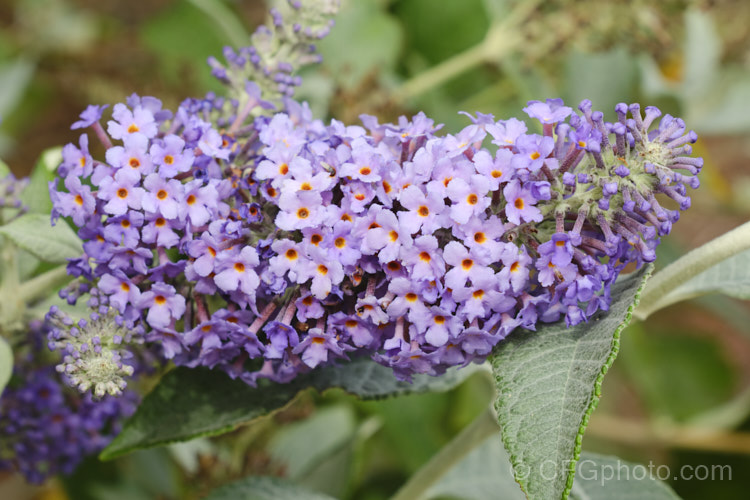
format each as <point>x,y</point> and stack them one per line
<point>47,428</point>
<point>92,350</point>
<point>277,50</point>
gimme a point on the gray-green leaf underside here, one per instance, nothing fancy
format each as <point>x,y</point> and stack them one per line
<point>548,384</point>
<point>33,233</point>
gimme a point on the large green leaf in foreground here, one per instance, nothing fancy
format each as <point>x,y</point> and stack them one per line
<point>485,474</point>
<point>264,488</point>
<point>190,403</point>
<point>548,384</point>
<point>33,233</point>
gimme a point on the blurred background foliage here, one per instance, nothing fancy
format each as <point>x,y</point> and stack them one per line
<point>680,392</point>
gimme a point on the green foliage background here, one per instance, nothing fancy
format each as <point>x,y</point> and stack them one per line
<point>684,371</point>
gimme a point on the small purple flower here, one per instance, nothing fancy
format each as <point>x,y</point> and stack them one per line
<point>506,132</point>
<point>77,203</point>
<point>162,196</point>
<point>76,161</point>
<point>120,193</point>
<point>200,203</point>
<point>316,347</point>
<point>171,157</point>
<point>132,159</point>
<point>468,198</point>
<point>299,210</point>
<point>238,271</point>
<point>160,232</point>
<point>520,204</point>
<point>422,210</point>
<point>163,304</point>
<point>120,289</point>
<point>324,273</point>
<point>127,122</point>
<point>89,116</point>
<point>124,230</point>
<point>550,112</point>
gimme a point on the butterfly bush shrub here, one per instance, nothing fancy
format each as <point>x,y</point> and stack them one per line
<point>240,233</point>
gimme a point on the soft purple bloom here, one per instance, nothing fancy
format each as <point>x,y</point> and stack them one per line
<point>132,159</point>
<point>171,157</point>
<point>552,111</point>
<point>238,271</point>
<point>324,273</point>
<point>468,198</point>
<point>126,122</point>
<point>77,161</point>
<point>422,212</point>
<point>316,347</point>
<point>124,230</point>
<point>465,265</point>
<point>506,132</point>
<point>520,204</point>
<point>162,196</point>
<point>386,237</point>
<point>89,116</point>
<point>120,289</point>
<point>281,337</point>
<point>77,203</point>
<point>120,193</point>
<point>160,231</point>
<point>163,304</point>
<point>299,210</point>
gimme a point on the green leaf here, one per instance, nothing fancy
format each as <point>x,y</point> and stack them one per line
<point>33,232</point>
<point>302,445</point>
<point>15,76</point>
<point>549,383</point>
<point>172,37</point>
<point>730,277</point>
<point>189,403</point>
<point>226,20</point>
<point>601,77</point>
<point>484,474</point>
<point>6,364</point>
<point>365,38</point>
<point>264,488</point>
<point>610,478</point>
<point>36,194</point>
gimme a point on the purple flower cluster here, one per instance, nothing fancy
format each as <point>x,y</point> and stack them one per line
<point>46,428</point>
<point>285,244</point>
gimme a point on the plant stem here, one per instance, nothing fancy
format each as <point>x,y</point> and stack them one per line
<point>442,72</point>
<point>501,38</point>
<point>639,434</point>
<point>656,294</point>
<point>42,286</point>
<point>469,438</point>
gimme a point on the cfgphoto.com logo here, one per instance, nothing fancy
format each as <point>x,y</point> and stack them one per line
<point>618,470</point>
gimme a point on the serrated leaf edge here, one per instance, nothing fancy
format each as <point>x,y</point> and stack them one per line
<point>597,392</point>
